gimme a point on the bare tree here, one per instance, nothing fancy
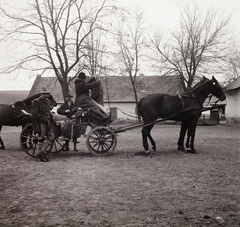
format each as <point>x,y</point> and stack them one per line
<point>232,65</point>
<point>97,60</point>
<point>197,47</point>
<point>54,33</point>
<point>131,43</point>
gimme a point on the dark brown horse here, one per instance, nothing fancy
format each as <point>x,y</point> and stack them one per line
<point>155,106</point>
<point>12,115</point>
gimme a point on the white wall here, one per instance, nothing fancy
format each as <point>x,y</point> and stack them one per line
<point>233,107</point>
<point>125,110</point>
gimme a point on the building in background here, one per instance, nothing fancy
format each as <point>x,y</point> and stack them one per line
<point>118,90</point>
<point>232,92</point>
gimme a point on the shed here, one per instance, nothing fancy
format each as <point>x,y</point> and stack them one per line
<point>118,90</point>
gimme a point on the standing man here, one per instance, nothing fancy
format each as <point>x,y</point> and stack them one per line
<point>42,120</point>
<point>67,109</point>
<point>97,92</point>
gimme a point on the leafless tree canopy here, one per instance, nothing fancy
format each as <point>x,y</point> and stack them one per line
<point>131,45</point>
<point>66,36</point>
<point>195,48</point>
<point>55,33</point>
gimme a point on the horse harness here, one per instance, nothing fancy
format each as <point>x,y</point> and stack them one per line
<point>198,104</point>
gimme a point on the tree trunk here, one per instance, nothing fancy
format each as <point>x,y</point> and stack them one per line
<point>64,86</point>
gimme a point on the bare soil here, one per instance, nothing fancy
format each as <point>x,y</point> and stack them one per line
<point>166,188</point>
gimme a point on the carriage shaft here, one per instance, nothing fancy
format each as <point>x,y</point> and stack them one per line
<point>126,128</point>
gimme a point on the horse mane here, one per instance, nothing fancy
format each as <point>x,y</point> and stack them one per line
<point>199,83</point>
<point>26,103</point>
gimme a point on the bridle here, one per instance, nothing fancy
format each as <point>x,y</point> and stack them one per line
<point>191,95</point>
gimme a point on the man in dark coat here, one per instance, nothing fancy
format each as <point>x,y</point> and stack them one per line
<point>67,107</point>
<point>97,92</point>
<point>42,117</point>
<point>84,100</point>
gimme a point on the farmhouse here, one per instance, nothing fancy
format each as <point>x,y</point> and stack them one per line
<point>118,90</point>
<point>232,92</point>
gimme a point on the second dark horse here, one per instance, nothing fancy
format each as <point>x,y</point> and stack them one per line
<point>12,115</point>
<point>155,106</point>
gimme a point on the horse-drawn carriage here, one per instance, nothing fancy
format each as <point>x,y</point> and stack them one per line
<point>101,139</point>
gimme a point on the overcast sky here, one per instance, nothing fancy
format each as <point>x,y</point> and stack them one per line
<point>162,12</point>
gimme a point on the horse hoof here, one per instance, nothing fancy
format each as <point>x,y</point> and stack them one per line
<point>192,151</point>
<point>154,149</point>
<point>181,148</point>
<point>2,148</point>
<point>147,152</point>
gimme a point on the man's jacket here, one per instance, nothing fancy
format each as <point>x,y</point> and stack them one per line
<point>41,110</point>
<point>61,110</point>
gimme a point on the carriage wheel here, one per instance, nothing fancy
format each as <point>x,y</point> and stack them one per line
<point>58,145</point>
<point>101,141</point>
<point>29,141</point>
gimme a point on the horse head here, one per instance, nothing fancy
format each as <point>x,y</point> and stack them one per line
<point>216,89</point>
<point>52,101</point>
<point>28,101</point>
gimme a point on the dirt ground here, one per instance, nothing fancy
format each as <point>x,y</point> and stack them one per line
<point>166,188</point>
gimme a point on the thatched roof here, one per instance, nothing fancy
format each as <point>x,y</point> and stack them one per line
<point>116,88</point>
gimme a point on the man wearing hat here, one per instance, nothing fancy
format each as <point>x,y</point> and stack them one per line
<point>67,107</point>
<point>42,117</point>
<point>83,99</point>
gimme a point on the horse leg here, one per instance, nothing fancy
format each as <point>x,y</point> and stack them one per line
<point>182,136</point>
<point>2,144</point>
<point>145,135</point>
<point>1,141</point>
<point>190,138</point>
<point>151,139</point>
<point>144,139</point>
<point>152,142</point>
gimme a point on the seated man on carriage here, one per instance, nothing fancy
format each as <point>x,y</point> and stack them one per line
<point>67,109</point>
<point>98,114</point>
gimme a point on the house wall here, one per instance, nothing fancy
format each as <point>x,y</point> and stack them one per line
<point>233,106</point>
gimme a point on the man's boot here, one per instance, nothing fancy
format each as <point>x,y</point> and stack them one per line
<point>75,144</point>
<point>43,152</point>
<point>66,146</point>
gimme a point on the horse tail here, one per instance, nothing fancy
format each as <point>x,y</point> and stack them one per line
<point>138,108</point>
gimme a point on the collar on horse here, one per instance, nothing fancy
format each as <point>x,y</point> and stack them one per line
<point>191,95</point>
